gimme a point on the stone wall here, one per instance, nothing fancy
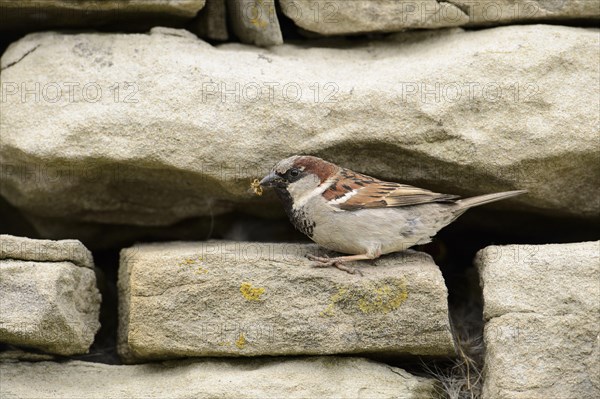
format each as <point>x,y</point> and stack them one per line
<point>135,260</point>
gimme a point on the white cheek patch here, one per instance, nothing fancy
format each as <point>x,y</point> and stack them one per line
<point>305,189</point>
<point>343,198</point>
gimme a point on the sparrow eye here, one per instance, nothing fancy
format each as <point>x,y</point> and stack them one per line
<point>294,172</point>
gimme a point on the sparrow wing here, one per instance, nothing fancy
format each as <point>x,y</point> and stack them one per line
<point>353,191</point>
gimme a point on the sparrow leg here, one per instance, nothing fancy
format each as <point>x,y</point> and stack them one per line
<point>340,260</point>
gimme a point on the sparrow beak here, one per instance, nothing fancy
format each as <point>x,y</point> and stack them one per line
<point>271,180</point>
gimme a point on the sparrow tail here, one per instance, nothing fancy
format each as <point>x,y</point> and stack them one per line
<point>464,204</point>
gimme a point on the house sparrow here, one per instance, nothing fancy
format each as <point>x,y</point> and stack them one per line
<point>356,214</point>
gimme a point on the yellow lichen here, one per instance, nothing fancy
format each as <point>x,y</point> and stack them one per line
<point>251,293</point>
<point>384,298</point>
<point>381,297</point>
<point>187,262</point>
<point>191,263</point>
<point>259,9</point>
<point>259,23</point>
<point>335,298</point>
<point>328,311</point>
<point>241,341</point>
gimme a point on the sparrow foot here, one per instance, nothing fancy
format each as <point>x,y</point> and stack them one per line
<point>329,262</point>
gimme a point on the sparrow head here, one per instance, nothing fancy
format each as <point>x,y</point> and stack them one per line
<point>299,171</point>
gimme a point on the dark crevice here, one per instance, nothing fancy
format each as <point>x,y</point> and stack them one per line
<point>21,58</point>
<point>104,348</point>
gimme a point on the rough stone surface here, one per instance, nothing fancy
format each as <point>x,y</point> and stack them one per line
<point>48,295</point>
<point>316,377</point>
<point>23,248</point>
<point>361,16</point>
<point>51,306</point>
<point>15,355</point>
<point>542,306</point>
<point>23,15</point>
<point>211,22</point>
<point>223,298</point>
<point>255,22</point>
<point>494,12</point>
<point>189,131</point>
